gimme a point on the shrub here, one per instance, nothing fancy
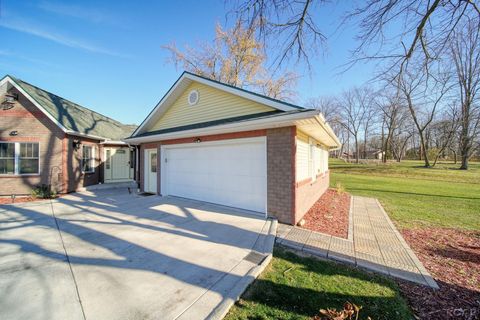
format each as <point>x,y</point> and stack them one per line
<point>340,188</point>
<point>44,192</point>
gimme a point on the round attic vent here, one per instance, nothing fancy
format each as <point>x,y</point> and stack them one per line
<point>193,97</point>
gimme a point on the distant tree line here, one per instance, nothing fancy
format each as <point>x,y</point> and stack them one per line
<point>426,104</point>
<point>429,57</point>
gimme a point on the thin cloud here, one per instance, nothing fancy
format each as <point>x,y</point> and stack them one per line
<point>56,37</point>
<point>79,12</point>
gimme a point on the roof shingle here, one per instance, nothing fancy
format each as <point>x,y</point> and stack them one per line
<point>75,117</point>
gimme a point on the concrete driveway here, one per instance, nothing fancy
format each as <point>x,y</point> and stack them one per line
<point>109,254</point>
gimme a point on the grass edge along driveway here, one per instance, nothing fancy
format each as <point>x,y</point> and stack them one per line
<point>294,287</point>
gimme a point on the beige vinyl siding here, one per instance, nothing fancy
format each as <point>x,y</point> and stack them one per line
<point>311,159</point>
<point>213,104</point>
<point>302,162</point>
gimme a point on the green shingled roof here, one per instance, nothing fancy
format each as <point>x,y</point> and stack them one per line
<point>75,117</point>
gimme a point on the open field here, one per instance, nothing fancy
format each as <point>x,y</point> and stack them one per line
<point>415,196</point>
<point>296,288</point>
<point>438,212</point>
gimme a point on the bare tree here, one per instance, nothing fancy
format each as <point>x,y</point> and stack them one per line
<point>353,109</point>
<point>465,53</point>
<point>424,95</point>
<point>235,58</point>
<point>287,25</point>
<point>331,110</point>
<point>391,110</point>
<point>443,131</point>
<point>426,27</point>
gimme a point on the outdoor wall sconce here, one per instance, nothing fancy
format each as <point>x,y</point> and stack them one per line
<point>197,140</point>
<point>76,144</point>
<point>13,133</point>
<point>11,97</point>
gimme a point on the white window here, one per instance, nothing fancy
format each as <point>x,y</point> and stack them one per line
<point>88,165</point>
<point>312,172</point>
<point>7,158</point>
<point>19,158</point>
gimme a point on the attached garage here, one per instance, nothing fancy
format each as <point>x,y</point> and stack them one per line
<point>225,145</point>
<point>227,172</point>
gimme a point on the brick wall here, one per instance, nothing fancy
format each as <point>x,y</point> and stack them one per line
<point>281,173</point>
<point>32,126</point>
<point>75,177</point>
<point>308,192</point>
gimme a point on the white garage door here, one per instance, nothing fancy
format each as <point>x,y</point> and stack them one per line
<point>228,172</point>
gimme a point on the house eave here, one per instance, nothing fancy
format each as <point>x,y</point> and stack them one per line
<point>187,78</point>
<point>300,120</point>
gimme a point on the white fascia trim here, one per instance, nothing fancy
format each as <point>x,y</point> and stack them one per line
<point>159,104</point>
<point>275,122</point>
<point>12,82</point>
<point>241,93</point>
<point>84,135</point>
<point>223,87</point>
<point>324,124</point>
<point>116,142</point>
<point>36,104</point>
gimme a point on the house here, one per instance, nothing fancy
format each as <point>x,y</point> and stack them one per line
<point>48,140</point>
<point>209,141</point>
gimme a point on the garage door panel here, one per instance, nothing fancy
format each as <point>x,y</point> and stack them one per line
<point>232,174</point>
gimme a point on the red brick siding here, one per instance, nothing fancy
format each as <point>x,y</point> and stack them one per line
<point>32,126</point>
<point>281,173</point>
<point>308,192</point>
<point>216,137</point>
<point>75,177</point>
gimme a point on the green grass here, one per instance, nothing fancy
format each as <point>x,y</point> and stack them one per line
<point>415,196</point>
<point>296,288</point>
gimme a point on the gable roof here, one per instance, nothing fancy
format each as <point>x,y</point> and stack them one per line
<point>72,118</point>
<point>187,78</point>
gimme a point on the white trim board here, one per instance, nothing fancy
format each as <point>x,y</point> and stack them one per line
<point>186,79</point>
<point>45,112</point>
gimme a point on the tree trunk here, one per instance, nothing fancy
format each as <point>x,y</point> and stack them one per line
<point>464,165</point>
<point>464,140</point>
<point>454,156</point>
<point>357,150</point>
<point>424,150</point>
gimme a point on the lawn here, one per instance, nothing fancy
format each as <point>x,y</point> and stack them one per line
<point>438,212</point>
<point>415,196</point>
<point>294,287</point>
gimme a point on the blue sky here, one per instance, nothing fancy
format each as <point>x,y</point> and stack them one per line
<point>107,55</point>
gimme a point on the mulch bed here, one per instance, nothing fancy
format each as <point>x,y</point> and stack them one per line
<point>452,257</point>
<point>8,200</point>
<point>329,214</point>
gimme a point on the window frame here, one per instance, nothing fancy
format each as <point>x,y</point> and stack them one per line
<point>17,159</point>
<point>311,159</point>
<point>92,158</point>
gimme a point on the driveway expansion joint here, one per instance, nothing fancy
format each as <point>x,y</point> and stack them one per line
<point>373,244</point>
<point>68,261</point>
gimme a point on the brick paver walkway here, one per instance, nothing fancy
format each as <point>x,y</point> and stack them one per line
<point>373,243</point>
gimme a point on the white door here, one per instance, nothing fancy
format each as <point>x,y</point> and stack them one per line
<point>117,164</point>
<point>150,174</point>
<point>230,172</point>
<point>120,164</point>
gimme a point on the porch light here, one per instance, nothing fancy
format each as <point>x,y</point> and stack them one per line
<point>11,98</point>
<point>197,140</point>
<point>76,144</point>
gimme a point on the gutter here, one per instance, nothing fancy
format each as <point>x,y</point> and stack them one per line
<point>274,122</point>
<point>323,123</point>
